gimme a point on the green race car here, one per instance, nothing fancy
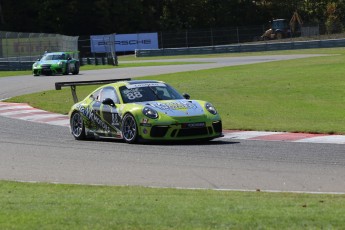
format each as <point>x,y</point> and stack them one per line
<point>56,63</point>
<point>143,110</point>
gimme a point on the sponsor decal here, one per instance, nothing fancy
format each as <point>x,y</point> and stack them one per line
<point>145,122</point>
<point>133,42</point>
<point>175,105</point>
<point>194,125</point>
<point>115,119</point>
<point>92,116</point>
<point>132,86</point>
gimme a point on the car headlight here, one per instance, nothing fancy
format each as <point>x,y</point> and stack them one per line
<point>211,108</point>
<point>60,63</point>
<point>151,113</point>
<point>35,64</point>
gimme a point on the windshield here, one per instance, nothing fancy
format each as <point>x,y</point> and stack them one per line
<point>148,92</point>
<point>279,24</point>
<point>48,57</point>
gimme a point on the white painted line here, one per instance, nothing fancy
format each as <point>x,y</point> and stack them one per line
<point>190,188</point>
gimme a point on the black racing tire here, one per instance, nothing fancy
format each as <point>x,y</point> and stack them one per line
<point>129,129</point>
<point>66,72</point>
<point>77,126</point>
<point>76,68</point>
<point>279,36</point>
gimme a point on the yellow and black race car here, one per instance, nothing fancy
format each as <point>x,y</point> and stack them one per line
<point>142,110</point>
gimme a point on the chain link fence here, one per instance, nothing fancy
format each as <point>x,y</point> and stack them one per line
<point>19,50</point>
<point>220,36</point>
<point>208,37</point>
<point>204,37</point>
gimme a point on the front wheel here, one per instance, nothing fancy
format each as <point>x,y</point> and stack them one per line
<point>129,129</point>
<point>77,126</point>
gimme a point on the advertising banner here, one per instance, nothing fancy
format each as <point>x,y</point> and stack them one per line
<point>123,42</point>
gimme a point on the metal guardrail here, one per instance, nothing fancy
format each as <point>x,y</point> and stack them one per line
<point>15,65</point>
<point>253,47</point>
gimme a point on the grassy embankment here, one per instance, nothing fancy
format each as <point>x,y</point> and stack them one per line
<point>304,95</point>
<point>51,206</point>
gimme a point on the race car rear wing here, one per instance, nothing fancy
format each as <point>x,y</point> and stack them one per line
<point>74,84</point>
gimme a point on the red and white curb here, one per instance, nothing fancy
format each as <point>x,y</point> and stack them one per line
<point>25,112</point>
<point>285,136</point>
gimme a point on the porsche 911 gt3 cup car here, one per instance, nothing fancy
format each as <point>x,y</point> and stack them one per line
<point>56,63</point>
<point>143,110</point>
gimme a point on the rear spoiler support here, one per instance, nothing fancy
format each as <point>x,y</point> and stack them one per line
<point>74,84</point>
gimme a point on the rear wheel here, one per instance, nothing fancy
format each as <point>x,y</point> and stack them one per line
<point>129,129</point>
<point>77,126</point>
<point>76,69</point>
<point>66,72</point>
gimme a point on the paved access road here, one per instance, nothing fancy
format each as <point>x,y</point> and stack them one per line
<point>39,152</point>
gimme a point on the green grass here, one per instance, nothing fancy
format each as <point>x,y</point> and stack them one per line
<point>304,95</point>
<point>55,206</point>
<point>14,73</point>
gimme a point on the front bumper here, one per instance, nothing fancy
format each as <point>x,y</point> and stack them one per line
<point>184,130</point>
<point>46,70</point>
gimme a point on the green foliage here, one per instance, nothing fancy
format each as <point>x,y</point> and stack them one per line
<point>333,22</point>
<point>85,17</point>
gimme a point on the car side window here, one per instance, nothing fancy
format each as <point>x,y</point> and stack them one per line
<point>95,95</point>
<point>108,92</point>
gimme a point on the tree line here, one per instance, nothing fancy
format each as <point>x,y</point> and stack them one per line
<point>87,17</point>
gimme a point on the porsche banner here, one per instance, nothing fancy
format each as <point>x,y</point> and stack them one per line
<point>123,42</point>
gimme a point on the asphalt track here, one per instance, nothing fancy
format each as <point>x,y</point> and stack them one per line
<point>40,152</point>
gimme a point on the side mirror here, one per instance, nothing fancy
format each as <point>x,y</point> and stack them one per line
<point>186,96</point>
<point>69,58</point>
<point>108,101</point>
<point>92,97</point>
